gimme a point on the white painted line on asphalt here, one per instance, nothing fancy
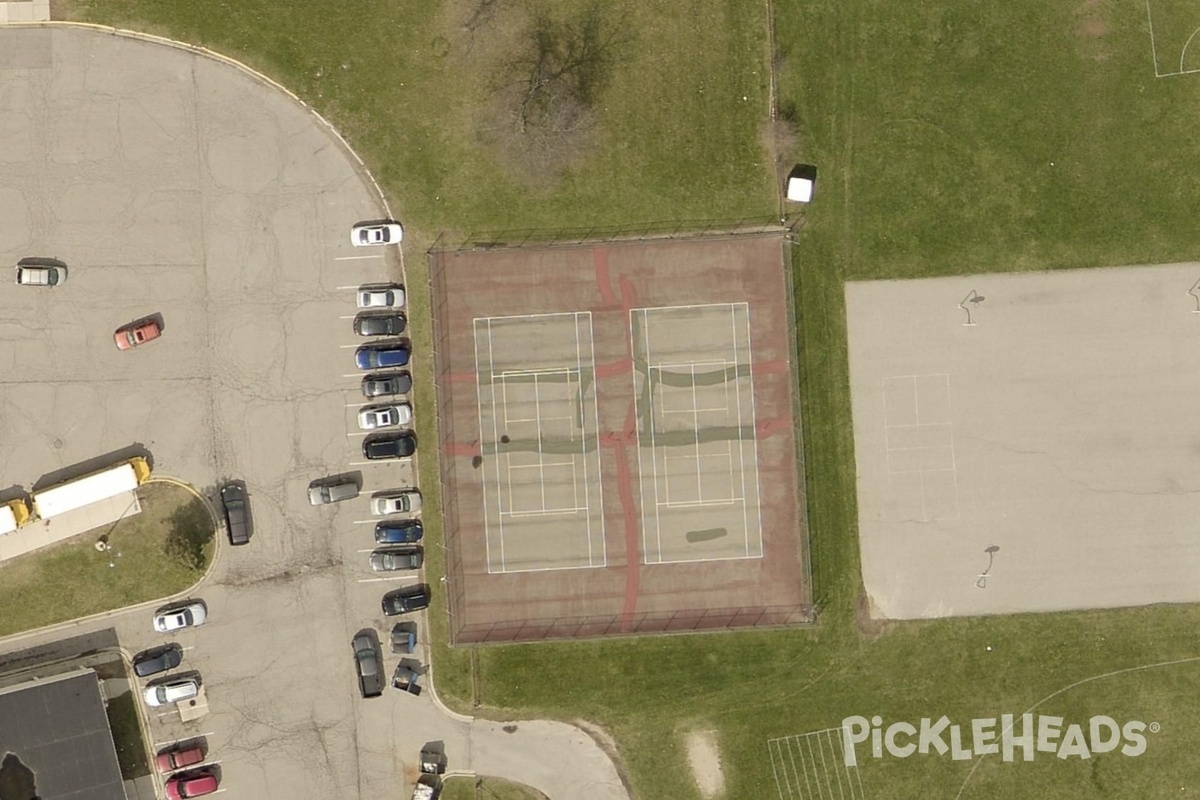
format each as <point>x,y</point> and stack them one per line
<point>357,433</point>
<point>357,258</point>
<point>357,405</point>
<point>380,580</point>
<point>352,316</point>
<point>348,287</point>
<point>354,375</point>
<point>170,742</point>
<point>348,346</point>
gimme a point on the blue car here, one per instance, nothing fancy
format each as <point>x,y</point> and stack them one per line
<point>382,356</point>
<point>402,532</point>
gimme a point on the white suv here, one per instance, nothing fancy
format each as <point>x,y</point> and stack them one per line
<point>166,693</point>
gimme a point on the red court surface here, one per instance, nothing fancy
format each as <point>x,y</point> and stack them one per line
<point>619,438</point>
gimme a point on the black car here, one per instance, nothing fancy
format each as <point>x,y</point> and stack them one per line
<point>156,660</point>
<point>380,324</point>
<point>237,512</point>
<point>368,663</point>
<point>386,384</point>
<point>402,601</point>
<point>389,445</point>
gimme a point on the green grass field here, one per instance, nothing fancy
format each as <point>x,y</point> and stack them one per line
<point>71,579</point>
<point>950,139</point>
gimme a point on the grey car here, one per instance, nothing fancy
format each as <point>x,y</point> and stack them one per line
<point>397,559</point>
<point>368,663</point>
<point>386,384</point>
<point>322,494</point>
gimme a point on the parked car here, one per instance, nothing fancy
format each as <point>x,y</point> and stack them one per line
<point>192,784</point>
<point>161,694</point>
<point>407,501</point>
<point>401,532</point>
<point>397,559</point>
<point>157,659</point>
<point>40,275</point>
<point>389,445</point>
<point>189,616</point>
<point>383,295</point>
<point>368,663</point>
<point>380,324</point>
<point>389,416</point>
<point>406,600</point>
<point>382,356</point>
<point>387,384</point>
<point>178,758</point>
<point>137,333</point>
<point>237,512</point>
<point>366,234</point>
<point>322,494</point>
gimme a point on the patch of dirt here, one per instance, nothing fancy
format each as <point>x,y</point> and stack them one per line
<point>705,760</point>
<point>1092,26</point>
<point>864,613</point>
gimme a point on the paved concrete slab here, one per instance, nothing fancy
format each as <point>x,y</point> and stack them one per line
<point>1026,442</point>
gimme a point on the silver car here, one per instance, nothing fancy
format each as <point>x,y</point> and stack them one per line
<point>384,295</point>
<point>322,494</point>
<point>173,619</point>
<point>367,234</point>
<point>407,501</point>
<point>389,416</point>
<point>171,692</point>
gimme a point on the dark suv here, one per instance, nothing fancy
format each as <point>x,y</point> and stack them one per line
<point>402,601</point>
<point>389,445</point>
<point>237,512</point>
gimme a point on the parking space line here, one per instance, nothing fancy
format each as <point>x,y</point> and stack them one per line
<point>354,287</point>
<point>358,258</point>
<point>170,742</point>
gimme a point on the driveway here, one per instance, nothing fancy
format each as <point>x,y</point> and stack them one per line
<point>178,185</point>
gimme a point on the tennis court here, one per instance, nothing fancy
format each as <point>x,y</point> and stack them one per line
<point>619,442</point>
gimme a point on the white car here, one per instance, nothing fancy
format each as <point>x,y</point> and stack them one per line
<point>376,417</point>
<point>384,295</point>
<point>405,502</point>
<point>367,234</point>
<point>187,616</point>
<point>166,693</point>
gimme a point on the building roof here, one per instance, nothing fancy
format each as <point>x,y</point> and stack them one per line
<point>57,727</point>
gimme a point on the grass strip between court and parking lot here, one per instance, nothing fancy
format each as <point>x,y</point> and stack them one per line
<point>950,140</point>
<point>72,579</point>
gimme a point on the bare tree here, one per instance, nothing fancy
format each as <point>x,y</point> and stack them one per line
<point>543,115</point>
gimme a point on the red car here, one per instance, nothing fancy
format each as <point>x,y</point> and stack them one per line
<point>171,760</point>
<point>136,333</point>
<point>196,784</point>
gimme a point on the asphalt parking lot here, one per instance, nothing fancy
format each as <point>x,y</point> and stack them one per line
<point>176,186</point>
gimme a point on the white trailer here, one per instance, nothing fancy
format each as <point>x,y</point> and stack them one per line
<point>13,515</point>
<point>92,488</point>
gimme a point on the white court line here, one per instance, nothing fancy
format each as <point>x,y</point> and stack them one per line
<point>496,440</point>
<point>591,338</point>
<point>741,442</point>
<point>545,512</point>
<point>487,537</point>
<point>696,428</point>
